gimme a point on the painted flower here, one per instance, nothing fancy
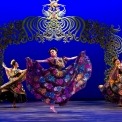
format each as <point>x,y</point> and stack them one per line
<point>59,81</point>
<point>42,90</point>
<point>48,85</point>
<point>51,78</point>
<point>50,94</point>
<point>67,78</point>
<point>58,88</point>
<point>58,99</point>
<point>42,80</point>
<point>81,68</point>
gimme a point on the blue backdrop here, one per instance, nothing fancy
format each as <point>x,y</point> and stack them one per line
<point>104,11</point>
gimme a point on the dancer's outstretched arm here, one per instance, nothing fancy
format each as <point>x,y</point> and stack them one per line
<point>70,58</point>
<point>21,71</point>
<point>42,61</point>
<point>5,67</point>
<point>7,70</point>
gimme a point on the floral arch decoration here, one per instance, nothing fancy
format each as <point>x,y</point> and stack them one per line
<point>55,26</point>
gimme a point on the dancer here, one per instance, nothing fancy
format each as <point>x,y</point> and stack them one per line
<point>112,89</point>
<point>57,84</point>
<point>13,90</point>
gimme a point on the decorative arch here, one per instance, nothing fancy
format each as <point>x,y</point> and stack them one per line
<point>55,26</point>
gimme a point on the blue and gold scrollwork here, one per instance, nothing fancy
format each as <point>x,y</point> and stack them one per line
<point>54,26</point>
<point>42,29</point>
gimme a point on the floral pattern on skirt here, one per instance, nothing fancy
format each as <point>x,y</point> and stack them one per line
<point>55,85</point>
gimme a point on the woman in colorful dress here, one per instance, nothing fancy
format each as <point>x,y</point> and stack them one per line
<point>112,89</point>
<point>13,90</point>
<point>57,84</point>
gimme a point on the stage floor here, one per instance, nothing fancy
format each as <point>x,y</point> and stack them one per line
<point>74,111</point>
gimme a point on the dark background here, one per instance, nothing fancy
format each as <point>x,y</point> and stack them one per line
<point>103,11</point>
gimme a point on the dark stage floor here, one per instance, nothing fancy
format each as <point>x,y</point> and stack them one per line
<point>74,111</point>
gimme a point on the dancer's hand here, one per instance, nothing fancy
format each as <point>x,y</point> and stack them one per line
<point>3,64</point>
